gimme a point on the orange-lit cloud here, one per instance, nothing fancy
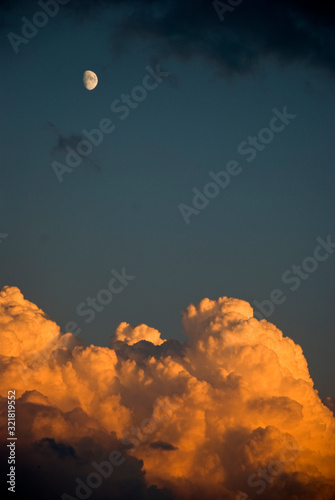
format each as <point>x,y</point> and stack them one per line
<point>232,413</point>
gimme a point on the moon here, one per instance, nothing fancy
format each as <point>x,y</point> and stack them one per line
<point>90,80</point>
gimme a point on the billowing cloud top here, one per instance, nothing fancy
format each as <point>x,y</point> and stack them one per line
<point>232,413</point>
<point>24,327</point>
<point>131,335</point>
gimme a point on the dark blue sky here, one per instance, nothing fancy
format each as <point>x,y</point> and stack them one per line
<point>120,207</point>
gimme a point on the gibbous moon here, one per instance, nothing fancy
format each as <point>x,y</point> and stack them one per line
<point>90,80</point>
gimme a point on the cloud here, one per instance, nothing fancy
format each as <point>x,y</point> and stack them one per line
<point>230,413</point>
<point>25,328</point>
<point>131,335</point>
<point>330,403</point>
<point>287,31</point>
<point>161,445</point>
<point>62,450</point>
<point>63,142</point>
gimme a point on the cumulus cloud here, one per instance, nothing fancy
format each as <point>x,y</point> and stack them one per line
<point>132,336</point>
<point>230,413</point>
<point>330,403</point>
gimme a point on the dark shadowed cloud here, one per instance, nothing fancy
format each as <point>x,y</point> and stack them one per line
<point>162,445</point>
<point>71,141</point>
<point>288,31</point>
<point>45,445</point>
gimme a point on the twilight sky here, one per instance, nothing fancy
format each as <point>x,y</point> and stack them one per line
<point>189,93</point>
